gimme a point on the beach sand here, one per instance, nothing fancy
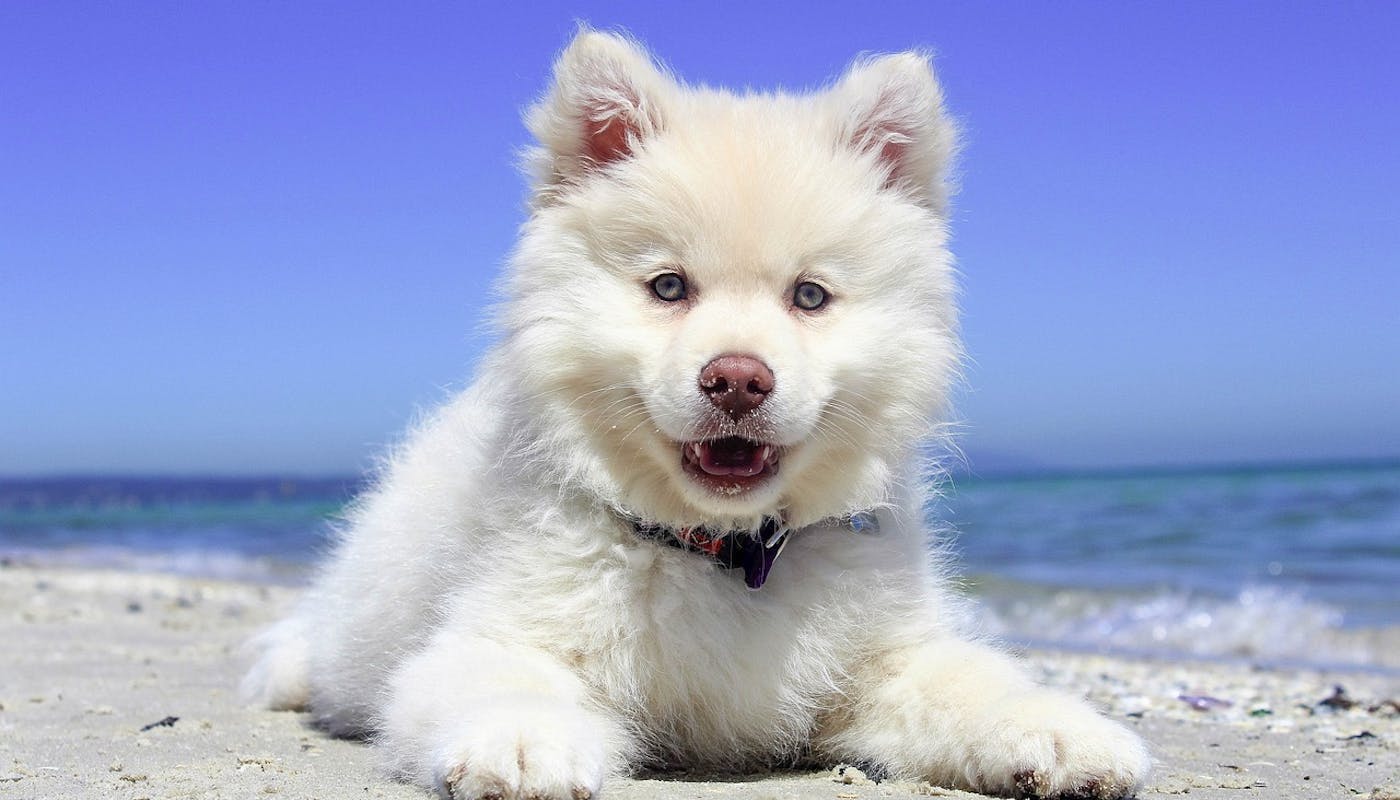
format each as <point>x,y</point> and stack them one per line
<point>120,685</point>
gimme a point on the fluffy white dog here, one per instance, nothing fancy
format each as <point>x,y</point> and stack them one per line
<point>678,518</point>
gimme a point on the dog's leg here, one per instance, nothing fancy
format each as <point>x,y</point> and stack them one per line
<point>962,714</point>
<point>471,718</point>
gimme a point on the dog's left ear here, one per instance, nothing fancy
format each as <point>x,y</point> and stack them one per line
<point>891,108</point>
<point>607,98</point>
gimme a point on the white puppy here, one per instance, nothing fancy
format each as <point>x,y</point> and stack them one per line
<point>678,518</point>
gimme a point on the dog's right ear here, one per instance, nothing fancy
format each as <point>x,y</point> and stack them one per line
<point>605,101</point>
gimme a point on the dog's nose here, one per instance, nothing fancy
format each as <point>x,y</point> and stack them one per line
<point>736,384</point>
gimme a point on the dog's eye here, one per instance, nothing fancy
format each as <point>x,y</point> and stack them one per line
<point>808,296</point>
<point>669,287</point>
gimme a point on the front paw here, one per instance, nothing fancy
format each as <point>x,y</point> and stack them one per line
<point>1043,744</point>
<point>524,755</point>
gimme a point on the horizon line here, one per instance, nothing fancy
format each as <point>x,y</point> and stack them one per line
<point>959,470</point>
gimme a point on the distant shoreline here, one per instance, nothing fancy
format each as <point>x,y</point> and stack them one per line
<point>1175,470</point>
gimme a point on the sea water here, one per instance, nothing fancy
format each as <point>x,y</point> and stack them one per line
<point>1272,565</point>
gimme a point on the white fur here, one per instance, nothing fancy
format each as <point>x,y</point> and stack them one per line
<point>491,619</point>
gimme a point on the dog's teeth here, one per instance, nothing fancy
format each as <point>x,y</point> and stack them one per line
<point>695,451</point>
<point>765,452</point>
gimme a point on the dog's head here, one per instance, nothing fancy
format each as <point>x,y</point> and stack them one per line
<point>723,306</point>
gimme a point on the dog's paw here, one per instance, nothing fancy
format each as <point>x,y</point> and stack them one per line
<point>280,678</point>
<point>528,756</point>
<point>1046,745</point>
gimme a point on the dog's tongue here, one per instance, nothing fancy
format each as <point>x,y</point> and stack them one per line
<point>732,456</point>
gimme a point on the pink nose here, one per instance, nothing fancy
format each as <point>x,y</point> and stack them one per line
<point>736,384</point>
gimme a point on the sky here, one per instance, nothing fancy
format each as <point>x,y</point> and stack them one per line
<point>255,237</point>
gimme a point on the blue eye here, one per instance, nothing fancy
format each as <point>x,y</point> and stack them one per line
<point>808,296</point>
<point>669,287</point>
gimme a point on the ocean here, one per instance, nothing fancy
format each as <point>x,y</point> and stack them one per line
<point>1295,566</point>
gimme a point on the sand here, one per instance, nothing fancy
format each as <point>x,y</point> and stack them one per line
<point>119,685</point>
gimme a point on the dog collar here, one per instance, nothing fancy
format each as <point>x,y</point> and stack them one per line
<point>752,551</point>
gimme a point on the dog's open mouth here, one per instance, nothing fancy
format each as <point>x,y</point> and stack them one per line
<point>730,465</point>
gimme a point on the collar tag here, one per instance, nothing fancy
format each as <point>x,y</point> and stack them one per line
<point>863,522</point>
<point>758,555</point>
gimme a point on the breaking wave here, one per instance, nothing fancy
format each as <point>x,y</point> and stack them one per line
<point>1262,625</point>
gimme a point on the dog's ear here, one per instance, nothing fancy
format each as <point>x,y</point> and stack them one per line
<point>606,99</point>
<point>891,107</point>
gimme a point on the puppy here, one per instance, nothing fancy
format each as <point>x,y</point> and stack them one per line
<point>678,519</point>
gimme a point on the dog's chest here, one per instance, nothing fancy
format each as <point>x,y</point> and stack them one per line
<point>703,664</point>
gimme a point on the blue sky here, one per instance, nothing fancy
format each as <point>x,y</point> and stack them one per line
<point>255,237</point>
